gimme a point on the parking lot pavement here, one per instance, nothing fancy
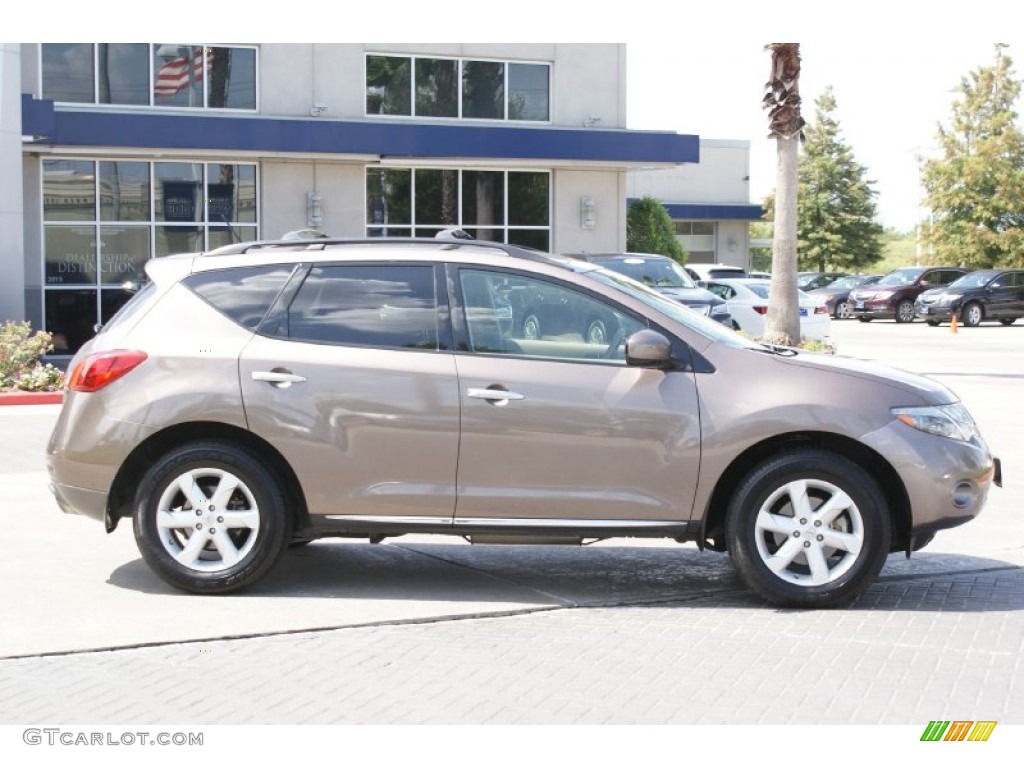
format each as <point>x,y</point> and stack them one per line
<point>429,629</point>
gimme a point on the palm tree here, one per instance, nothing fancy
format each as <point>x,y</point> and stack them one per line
<point>782,98</point>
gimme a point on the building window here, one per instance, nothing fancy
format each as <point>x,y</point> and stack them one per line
<point>501,206</point>
<point>103,220</point>
<point>414,86</point>
<point>698,238</point>
<point>150,74</point>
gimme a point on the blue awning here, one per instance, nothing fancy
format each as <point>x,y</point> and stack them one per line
<point>713,211</point>
<point>70,127</point>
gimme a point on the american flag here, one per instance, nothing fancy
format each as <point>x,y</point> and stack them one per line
<point>174,74</point>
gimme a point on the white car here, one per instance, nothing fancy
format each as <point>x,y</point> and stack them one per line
<point>748,303</point>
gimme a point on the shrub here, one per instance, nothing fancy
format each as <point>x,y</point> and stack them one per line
<point>20,350</point>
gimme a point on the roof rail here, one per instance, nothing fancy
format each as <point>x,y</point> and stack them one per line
<point>323,243</point>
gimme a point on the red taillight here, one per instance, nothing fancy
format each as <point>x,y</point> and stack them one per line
<point>96,371</point>
<point>821,309</point>
<point>761,310</point>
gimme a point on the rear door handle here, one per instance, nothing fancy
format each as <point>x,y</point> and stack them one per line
<point>493,394</point>
<point>278,378</point>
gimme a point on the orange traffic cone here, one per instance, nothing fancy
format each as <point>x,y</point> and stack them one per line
<point>952,323</point>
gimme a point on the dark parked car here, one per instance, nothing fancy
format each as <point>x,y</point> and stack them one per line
<point>893,296</point>
<point>809,281</point>
<point>837,294</point>
<point>988,294</point>
<point>666,277</point>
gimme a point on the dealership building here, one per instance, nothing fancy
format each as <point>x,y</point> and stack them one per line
<point>114,153</point>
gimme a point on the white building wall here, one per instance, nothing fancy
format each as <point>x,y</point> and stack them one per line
<point>721,176</point>
<point>12,243</point>
<point>608,234</point>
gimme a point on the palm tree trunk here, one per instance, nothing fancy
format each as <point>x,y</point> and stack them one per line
<point>783,321</point>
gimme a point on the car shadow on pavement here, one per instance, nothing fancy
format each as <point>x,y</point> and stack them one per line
<point>596,576</point>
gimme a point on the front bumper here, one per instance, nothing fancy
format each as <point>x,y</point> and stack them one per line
<point>947,481</point>
<point>938,312</point>
<point>881,308</point>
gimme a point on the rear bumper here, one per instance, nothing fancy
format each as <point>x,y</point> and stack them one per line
<point>80,501</point>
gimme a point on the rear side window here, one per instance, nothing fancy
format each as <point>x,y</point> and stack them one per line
<point>383,305</point>
<point>131,308</point>
<point>244,294</point>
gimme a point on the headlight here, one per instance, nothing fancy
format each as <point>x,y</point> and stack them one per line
<point>883,294</point>
<point>949,298</point>
<point>951,421</point>
<point>720,309</point>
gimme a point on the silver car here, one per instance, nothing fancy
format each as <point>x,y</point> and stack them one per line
<point>267,394</point>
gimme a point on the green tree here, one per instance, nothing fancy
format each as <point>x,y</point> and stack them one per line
<point>782,99</point>
<point>649,230</point>
<point>836,212</point>
<point>975,190</point>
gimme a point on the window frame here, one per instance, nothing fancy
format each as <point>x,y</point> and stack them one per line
<point>460,112</point>
<point>412,225</point>
<point>96,224</point>
<point>153,104</point>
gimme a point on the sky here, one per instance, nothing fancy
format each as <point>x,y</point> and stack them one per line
<point>889,102</point>
<point>693,68</point>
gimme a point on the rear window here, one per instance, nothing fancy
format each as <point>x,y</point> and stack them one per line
<point>131,308</point>
<point>243,294</point>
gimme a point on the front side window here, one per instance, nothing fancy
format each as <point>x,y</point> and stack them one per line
<point>421,86</point>
<point>525,316</point>
<point>391,306</point>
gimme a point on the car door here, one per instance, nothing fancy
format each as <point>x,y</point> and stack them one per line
<point>353,381</point>
<point>1002,296</point>
<point>559,428</point>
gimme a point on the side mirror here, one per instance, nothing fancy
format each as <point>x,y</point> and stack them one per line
<point>648,349</point>
<point>702,283</point>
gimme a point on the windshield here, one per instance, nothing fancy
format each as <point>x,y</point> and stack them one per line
<point>901,277</point>
<point>846,282</point>
<point>711,329</point>
<point>973,280</point>
<point>654,272</point>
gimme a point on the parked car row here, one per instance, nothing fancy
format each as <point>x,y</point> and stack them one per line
<point>933,293</point>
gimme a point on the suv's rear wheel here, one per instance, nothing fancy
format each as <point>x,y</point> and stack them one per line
<point>808,529</point>
<point>210,517</point>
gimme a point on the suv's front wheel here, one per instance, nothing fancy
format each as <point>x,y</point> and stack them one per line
<point>808,529</point>
<point>210,518</point>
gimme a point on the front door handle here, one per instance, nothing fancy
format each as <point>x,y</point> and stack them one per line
<point>494,394</point>
<point>278,378</point>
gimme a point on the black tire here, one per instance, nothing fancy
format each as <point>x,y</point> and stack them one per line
<point>972,314</point>
<point>531,327</point>
<point>1008,320</point>
<point>843,311</point>
<point>905,311</point>
<point>865,319</point>
<point>932,323</point>
<point>863,524</point>
<point>255,527</point>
